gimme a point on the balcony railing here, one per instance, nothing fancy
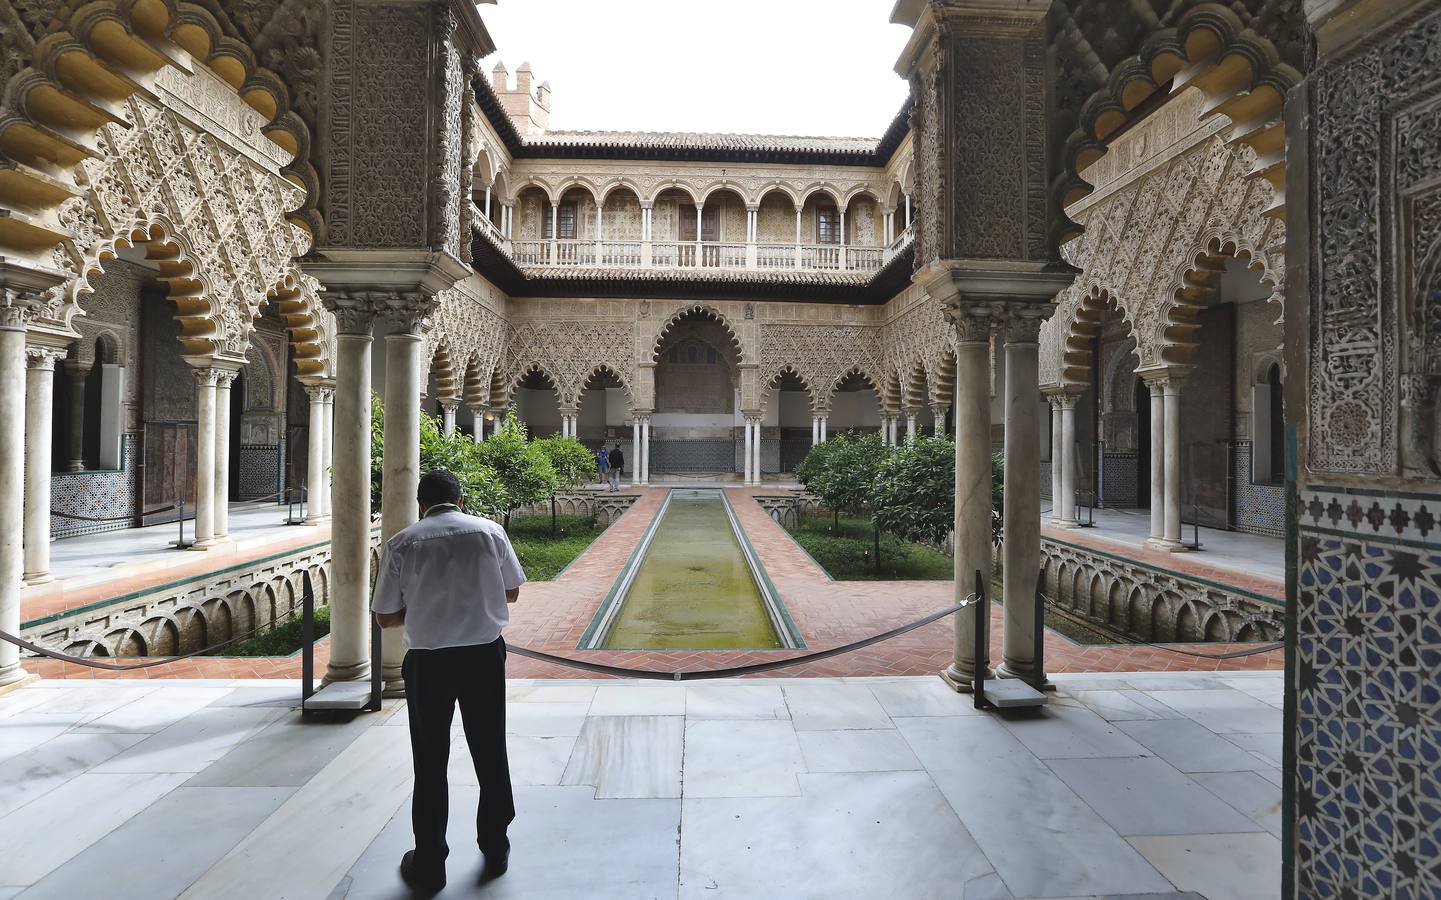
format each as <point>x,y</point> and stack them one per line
<point>633,254</point>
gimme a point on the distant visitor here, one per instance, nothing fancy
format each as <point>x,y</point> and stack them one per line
<point>617,467</point>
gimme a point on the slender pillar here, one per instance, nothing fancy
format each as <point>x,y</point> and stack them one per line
<point>1172,391</point>
<point>205,459</point>
<point>404,381</point>
<point>1057,451</point>
<point>798,237</point>
<point>824,421</point>
<point>815,430</point>
<point>635,450</point>
<point>477,432</point>
<point>1068,459</point>
<point>756,447</point>
<point>973,484</point>
<point>78,375</point>
<point>1158,459</point>
<point>910,426</point>
<point>327,487</point>
<point>447,410</point>
<point>39,398</point>
<point>938,412</point>
<point>645,450</point>
<point>746,468</point>
<point>1022,541</point>
<point>13,319</point>
<point>222,454</point>
<point>350,495</point>
<point>315,456</point>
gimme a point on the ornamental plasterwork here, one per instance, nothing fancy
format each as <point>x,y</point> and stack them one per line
<point>821,355</point>
<point>918,341</point>
<point>569,351</point>
<point>471,325</point>
<point>1141,245</point>
<point>166,179</point>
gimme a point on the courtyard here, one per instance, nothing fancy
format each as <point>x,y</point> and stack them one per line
<point>1158,785</point>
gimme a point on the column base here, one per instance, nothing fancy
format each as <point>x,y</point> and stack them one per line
<point>959,681</point>
<point>358,672</point>
<point>1005,671</point>
<point>392,682</point>
<point>315,520</point>
<point>1166,546</point>
<point>18,679</point>
<point>37,578</point>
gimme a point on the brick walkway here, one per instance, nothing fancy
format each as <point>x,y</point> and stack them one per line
<point>552,616</point>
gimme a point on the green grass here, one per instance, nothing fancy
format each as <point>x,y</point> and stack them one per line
<point>282,640</point>
<point>848,552</point>
<point>542,554</point>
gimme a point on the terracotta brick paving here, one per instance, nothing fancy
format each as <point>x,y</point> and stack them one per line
<point>552,616</point>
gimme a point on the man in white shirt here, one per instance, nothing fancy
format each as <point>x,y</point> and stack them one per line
<point>447,579</point>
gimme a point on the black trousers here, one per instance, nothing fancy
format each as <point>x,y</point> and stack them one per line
<point>434,681</point>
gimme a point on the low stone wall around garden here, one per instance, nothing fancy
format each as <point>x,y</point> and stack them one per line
<point>602,506</point>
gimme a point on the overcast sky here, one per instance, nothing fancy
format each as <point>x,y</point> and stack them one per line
<point>803,67</point>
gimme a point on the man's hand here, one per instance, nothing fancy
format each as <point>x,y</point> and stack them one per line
<point>512,596</point>
<point>390,620</point>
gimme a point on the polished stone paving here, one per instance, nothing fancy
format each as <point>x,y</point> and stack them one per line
<point>1154,785</point>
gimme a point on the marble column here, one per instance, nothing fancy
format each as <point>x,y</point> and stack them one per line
<point>635,450</point>
<point>1172,391</point>
<point>315,456</point>
<point>645,450</point>
<point>477,414</point>
<point>973,485</point>
<point>78,375</point>
<point>938,412</point>
<point>447,413</point>
<point>14,317</point>
<point>39,434</point>
<point>1057,451</point>
<point>350,496</point>
<point>223,381</point>
<point>404,380</point>
<point>1068,460</point>
<point>756,462</point>
<point>746,467</point>
<point>815,430</point>
<point>910,426</point>
<point>1022,541</point>
<point>824,421</point>
<point>206,377</point>
<point>327,482</point>
<point>1158,458</point>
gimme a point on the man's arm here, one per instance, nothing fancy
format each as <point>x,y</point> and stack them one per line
<point>390,620</point>
<point>389,600</point>
<point>512,595</point>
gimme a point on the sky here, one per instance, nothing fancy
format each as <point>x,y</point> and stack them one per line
<point>798,67</point>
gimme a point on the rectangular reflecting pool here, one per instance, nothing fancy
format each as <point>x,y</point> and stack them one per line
<point>693,583</point>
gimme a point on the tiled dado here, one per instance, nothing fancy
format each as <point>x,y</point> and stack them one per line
<point>1373,514</point>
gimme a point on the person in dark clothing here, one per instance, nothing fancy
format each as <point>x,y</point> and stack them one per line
<point>448,579</point>
<point>617,467</point>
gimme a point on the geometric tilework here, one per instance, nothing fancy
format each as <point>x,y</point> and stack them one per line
<point>1380,514</point>
<point>1256,508</point>
<point>96,495</point>
<point>1368,751</point>
<point>259,467</point>
<point>1120,488</point>
<point>692,456</point>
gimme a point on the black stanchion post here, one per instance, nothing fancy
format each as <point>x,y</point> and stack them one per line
<point>376,667</point>
<point>307,639</point>
<point>983,640</point>
<point>1038,670</point>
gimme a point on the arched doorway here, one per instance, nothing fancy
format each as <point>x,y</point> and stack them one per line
<point>697,424</point>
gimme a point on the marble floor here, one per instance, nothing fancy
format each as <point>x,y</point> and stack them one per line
<point>1154,784</point>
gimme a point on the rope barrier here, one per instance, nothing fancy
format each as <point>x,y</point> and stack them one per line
<point>1235,654</point>
<point>126,518</point>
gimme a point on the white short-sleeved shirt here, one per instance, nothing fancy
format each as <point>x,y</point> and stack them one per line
<point>449,572</point>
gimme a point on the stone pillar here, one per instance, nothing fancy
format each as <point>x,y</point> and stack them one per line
<point>477,413</point>
<point>973,486</point>
<point>1172,391</point>
<point>39,433</point>
<point>315,455</point>
<point>635,449</point>
<point>1068,460</point>
<point>1155,385</point>
<point>1022,540</point>
<point>206,377</point>
<point>746,465</point>
<point>447,413</point>
<point>910,426</point>
<point>938,412</point>
<point>1055,402</point>
<point>645,450</point>
<point>78,375</point>
<point>350,497</point>
<point>327,484</point>
<point>404,379</point>
<point>756,462</point>
<point>14,317</point>
<point>815,430</point>
<point>222,454</point>
<point>824,421</point>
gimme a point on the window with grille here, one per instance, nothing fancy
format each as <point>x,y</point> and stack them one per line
<point>565,222</point>
<point>828,225</point>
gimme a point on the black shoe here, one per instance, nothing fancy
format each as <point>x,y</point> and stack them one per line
<point>412,878</point>
<point>497,863</point>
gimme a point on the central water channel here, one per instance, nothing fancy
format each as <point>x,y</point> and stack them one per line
<point>693,585</point>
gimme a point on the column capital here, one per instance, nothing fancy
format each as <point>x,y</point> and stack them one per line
<point>1165,378</point>
<point>209,376</point>
<point>406,312</point>
<point>449,404</point>
<point>42,358</point>
<point>353,310</point>
<point>1022,323</point>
